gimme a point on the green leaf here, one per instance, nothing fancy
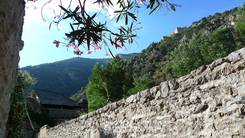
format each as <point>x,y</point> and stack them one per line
<point>88,42</point>
<point>172,7</point>
<point>68,16</point>
<point>71,27</point>
<point>93,16</point>
<point>132,16</point>
<point>117,11</point>
<point>118,17</point>
<point>76,9</point>
<point>50,25</point>
<point>111,52</point>
<point>64,9</point>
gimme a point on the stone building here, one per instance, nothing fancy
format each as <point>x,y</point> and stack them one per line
<point>178,30</point>
<point>48,108</point>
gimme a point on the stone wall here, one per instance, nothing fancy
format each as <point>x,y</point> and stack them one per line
<point>11,22</point>
<point>61,113</point>
<point>209,102</point>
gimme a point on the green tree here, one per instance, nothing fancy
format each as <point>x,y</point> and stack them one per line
<point>218,44</point>
<point>197,51</point>
<point>118,79</point>
<point>96,89</point>
<point>185,58</point>
<point>17,114</point>
<point>164,73</point>
<point>140,84</point>
<point>28,82</point>
<point>108,83</point>
<point>240,27</point>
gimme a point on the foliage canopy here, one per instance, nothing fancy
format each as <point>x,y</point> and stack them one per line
<point>88,30</point>
<point>108,83</point>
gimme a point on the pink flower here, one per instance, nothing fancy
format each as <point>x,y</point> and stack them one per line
<point>96,45</point>
<point>57,17</point>
<point>119,43</point>
<point>77,52</point>
<point>140,1</point>
<point>100,36</point>
<point>72,45</point>
<point>57,43</point>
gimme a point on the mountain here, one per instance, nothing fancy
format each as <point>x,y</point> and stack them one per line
<point>65,77</point>
<point>128,56</point>
<point>189,47</point>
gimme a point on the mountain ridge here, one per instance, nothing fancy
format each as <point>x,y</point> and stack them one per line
<point>66,76</point>
<point>156,59</point>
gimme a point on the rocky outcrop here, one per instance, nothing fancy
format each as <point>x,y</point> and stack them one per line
<point>11,22</point>
<point>209,102</point>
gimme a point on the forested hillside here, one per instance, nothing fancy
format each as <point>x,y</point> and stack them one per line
<point>65,77</point>
<point>68,76</point>
<point>204,41</point>
<point>175,55</point>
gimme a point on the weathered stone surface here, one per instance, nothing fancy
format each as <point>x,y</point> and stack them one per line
<point>209,102</point>
<point>11,22</point>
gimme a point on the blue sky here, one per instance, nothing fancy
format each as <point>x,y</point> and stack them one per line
<point>38,47</point>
